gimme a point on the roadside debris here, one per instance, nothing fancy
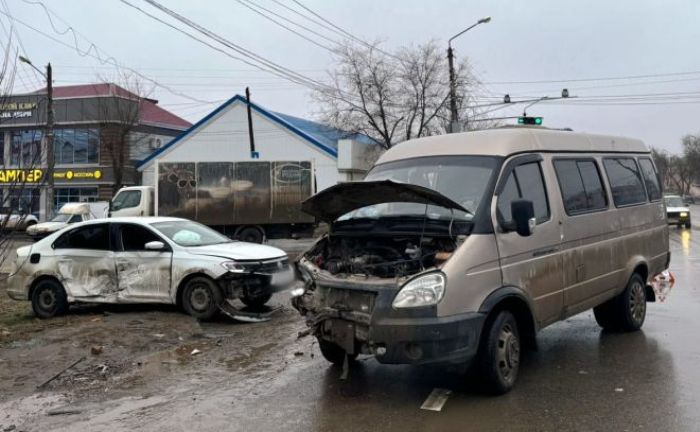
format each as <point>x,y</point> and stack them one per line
<point>96,350</point>
<point>10,428</point>
<point>619,390</point>
<point>195,352</point>
<point>298,353</point>
<point>65,410</point>
<point>60,373</point>
<point>436,399</point>
<point>303,333</point>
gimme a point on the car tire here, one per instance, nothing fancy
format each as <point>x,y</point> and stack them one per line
<point>627,311</point>
<point>251,234</point>
<point>49,299</point>
<point>201,298</point>
<point>28,224</point>
<point>499,354</point>
<point>333,353</point>
<point>688,225</point>
<point>256,302</point>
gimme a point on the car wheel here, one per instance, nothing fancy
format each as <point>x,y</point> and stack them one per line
<point>688,225</point>
<point>28,224</point>
<point>250,235</point>
<point>49,299</point>
<point>256,302</point>
<point>627,311</point>
<point>333,353</point>
<point>499,354</point>
<point>201,298</point>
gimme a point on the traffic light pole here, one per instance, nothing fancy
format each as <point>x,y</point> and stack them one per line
<point>50,158</point>
<point>454,120</point>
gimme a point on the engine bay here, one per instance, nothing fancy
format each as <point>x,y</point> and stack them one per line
<point>382,257</point>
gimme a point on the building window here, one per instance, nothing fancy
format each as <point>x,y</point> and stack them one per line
<point>76,146</point>
<point>71,195</point>
<point>25,148</point>
<point>24,201</point>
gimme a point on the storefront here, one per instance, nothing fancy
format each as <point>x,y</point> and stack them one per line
<point>84,144</point>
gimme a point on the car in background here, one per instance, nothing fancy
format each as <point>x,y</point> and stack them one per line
<point>12,220</point>
<point>677,211</point>
<point>69,213</point>
<point>145,260</point>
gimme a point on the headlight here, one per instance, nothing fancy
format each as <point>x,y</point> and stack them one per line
<point>422,291</point>
<point>233,267</point>
<point>684,214</point>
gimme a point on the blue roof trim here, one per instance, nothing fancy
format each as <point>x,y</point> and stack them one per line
<point>270,115</point>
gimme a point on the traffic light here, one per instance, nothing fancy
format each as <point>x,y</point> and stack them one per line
<point>530,121</point>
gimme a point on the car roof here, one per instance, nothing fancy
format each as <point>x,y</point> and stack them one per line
<point>148,220</point>
<point>511,140</point>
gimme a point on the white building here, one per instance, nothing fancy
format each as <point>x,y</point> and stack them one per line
<point>223,135</point>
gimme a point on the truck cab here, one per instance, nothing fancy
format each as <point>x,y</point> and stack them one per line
<point>132,201</point>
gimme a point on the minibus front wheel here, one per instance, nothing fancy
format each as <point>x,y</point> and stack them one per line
<point>499,355</point>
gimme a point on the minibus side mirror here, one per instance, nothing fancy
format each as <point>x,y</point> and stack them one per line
<point>523,213</point>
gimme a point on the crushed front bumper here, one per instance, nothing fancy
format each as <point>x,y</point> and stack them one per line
<point>363,321</point>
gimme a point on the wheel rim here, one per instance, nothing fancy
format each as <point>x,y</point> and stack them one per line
<point>47,299</point>
<point>508,353</point>
<point>200,298</point>
<point>638,302</point>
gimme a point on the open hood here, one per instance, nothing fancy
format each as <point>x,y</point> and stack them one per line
<point>329,204</point>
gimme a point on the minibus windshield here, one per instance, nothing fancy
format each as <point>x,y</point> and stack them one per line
<point>464,179</point>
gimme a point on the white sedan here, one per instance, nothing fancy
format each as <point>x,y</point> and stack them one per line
<point>145,260</point>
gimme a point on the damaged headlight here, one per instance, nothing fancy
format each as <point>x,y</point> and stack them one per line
<point>234,267</point>
<point>422,291</point>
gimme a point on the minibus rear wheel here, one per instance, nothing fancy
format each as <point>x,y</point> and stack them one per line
<point>627,311</point>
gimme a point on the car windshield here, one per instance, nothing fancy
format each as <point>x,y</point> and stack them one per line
<point>61,217</point>
<point>674,202</point>
<point>463,179</point>
<point>126,199</point>
<point>188,233</point>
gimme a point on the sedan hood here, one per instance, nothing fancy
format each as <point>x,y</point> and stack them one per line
<point>677,209</point>
<point>239,251</point>
<point>46,227</point>
<point>335,201</point>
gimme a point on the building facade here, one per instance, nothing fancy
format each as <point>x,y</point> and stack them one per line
<point>100,132</point>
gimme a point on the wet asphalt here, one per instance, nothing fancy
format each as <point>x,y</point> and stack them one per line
<point>580,379</point>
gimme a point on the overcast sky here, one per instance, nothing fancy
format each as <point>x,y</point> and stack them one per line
<point>526,41</point>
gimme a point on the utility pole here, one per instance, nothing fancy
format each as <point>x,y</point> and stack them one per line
<point>454,115</point>
<point>253,153</point>
<point>454,120</point>
<point>50,158</point>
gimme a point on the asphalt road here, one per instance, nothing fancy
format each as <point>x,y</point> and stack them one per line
<point>580,379</point>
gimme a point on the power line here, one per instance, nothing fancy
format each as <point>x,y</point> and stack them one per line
<point>610,78</point>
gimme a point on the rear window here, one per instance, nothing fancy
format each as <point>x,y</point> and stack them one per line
<point>651,179</point>
<point>625,181</point>
<point>581,186</point>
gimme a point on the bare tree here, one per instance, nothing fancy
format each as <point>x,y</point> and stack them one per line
<point>119,116</point>
<point>662,160</point>
<point>691,154</point>
<point>392,98</point>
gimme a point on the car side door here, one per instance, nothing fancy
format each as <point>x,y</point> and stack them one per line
<point>141,273</point>
<point>85,262</point>
<point>532,263</point>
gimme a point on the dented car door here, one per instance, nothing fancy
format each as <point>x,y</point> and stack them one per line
<point>141,273</point>
<point>85,263</point>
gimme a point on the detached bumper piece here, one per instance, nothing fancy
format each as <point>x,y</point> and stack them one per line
<point>248,316</point>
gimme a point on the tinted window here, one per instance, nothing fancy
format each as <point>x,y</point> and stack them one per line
<point>135,237</point>
<point>524,182</point>
<point>625,181</point>
<point>580,184</point>
<point>86,237</point>
<point>651,180</point>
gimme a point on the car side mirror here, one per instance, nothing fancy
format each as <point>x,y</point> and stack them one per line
<point>155,246</point>
<point>523,213</point>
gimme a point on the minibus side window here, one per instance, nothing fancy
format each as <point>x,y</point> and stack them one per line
<point>625,181</point>
<point>526,182</point>
<point>580,184</point>
<point>651,179</point>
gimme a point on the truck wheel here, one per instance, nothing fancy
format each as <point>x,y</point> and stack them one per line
<point>49,299</point>
<point>499,354</point>
<point>626,311</point>
<point>250,234</point>
<point>256,302</point>
<point>201,298</point>
<point>333,353</point>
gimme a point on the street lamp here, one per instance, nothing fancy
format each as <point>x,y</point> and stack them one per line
<point>49,134</point>
<point>454,117</point>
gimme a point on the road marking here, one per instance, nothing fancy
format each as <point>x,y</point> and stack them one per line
<point>436,399</point>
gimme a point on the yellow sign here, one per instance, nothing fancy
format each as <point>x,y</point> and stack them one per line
<point>17,106</point>
<point>35,175</point>
<point>20,176</point>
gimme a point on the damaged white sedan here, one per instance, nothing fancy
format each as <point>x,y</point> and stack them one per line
<point>146,260</point>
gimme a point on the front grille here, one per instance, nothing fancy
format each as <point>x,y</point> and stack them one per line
<point>673,215</point>
<point>266,267</point>
<point>350,300</point>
